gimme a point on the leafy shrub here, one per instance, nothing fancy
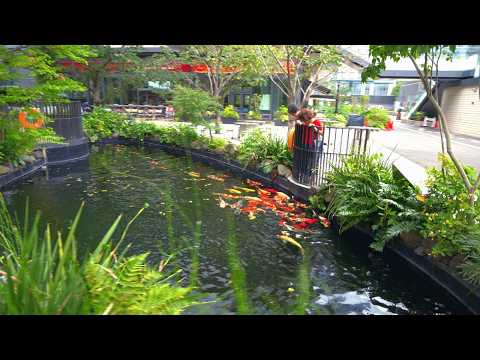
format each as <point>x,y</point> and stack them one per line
<point>193,104</point>
<point>101,123</point>
<point>254,115</point>
<point>348,109</point>
<point>266,151</point>
<point>217,143</point>
<point>137,130</point>
<point>377,117</point>
<point>340,120</point>
<point>470,269</point>
<point>43,275</point>
<point>282,113</point>
<point>230,113</point>
<point>365,191</point>
<point>449,218</point>
<point>16,141</point>
<point>418,116</point>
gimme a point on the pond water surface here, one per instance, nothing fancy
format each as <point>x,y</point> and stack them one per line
<point>239,263</point>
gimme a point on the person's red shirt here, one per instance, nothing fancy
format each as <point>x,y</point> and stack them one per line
<point>310,135</point>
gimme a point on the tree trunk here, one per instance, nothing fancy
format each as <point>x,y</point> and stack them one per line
<point>218,123</point>
<point>97,96</point>
<point>218,117</point>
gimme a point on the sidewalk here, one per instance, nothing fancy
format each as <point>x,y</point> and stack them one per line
<point>422,145</point>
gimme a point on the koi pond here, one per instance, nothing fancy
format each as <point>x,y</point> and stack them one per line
<point>250,250</point>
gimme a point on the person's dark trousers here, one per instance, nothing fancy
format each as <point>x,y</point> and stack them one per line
<point>315,153</point>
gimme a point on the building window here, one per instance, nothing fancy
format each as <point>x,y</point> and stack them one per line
<point>265,102</point>
<point>380,90</point>
<point>356,89</point>
<point>237,100</point>
<point>246,102</point>
<point>367,89</point>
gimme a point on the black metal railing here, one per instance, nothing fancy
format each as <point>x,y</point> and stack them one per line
<point>316,151</point>
<point>66,119</point>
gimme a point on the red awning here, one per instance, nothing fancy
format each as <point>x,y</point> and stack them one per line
<point>174,67</point>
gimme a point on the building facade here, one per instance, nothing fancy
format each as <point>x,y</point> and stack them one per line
<point>458,87</point>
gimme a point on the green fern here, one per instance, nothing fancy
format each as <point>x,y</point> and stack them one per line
<point>42,275</point>
<point>470,270</point>
<point>128,286</point>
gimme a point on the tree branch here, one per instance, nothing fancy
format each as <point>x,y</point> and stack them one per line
<point>279,63</point>
<point>280,83</point>
<point>444,124</point>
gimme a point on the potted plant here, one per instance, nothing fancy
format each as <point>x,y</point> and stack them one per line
<point>417,118</point>
<point>229,115</point>
<point>254,115</point>
<point>281,116</point>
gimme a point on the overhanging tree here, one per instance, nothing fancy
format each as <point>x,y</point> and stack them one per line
<point>105,61</point>
<point>224,67</point>
<point>38,63</point>
<point>289,67</point>
<point>30,74</point>
<point>425,59</point>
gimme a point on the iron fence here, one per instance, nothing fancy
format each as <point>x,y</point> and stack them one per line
<point>316,150</point>
<point>66,119</point>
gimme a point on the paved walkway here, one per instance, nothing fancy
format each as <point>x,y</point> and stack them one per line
<point>423,145</point>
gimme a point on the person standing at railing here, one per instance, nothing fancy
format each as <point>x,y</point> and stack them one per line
<point>312,141</point>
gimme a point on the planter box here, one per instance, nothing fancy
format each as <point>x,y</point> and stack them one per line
<point>280,123</point>
<point>228,121</point>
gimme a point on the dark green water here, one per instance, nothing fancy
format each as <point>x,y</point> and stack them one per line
<point>239,263</point>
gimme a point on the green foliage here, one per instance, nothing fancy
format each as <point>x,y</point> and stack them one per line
<point>344,111</point>
<point>217,144</point>
<point>340,120</point>
<point>282,113</point>
<point>348,109</point>
<point>470,269</point>
<point>230,113</point>
<point>418,116</point>
<point>396,88</point>
<point>39,62</point>
<point>230,66</point>
<point>138,130</point>
<point>254,115</point>
<point>377,117</point>
<point>128,286</point>
<point>124,64</point>
<point>380,54</point>
<point>193,105</point>
<point>255,101</point>
<point>364,100</point>
<point>365,191</point>
<point>16,141</point>
<point>448,214</point>
<point>102,123</point>
<point>264,150</point>
<point>291,65</point>
<point>42,274</point>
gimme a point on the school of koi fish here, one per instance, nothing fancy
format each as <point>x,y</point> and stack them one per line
<point>291,212</point>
